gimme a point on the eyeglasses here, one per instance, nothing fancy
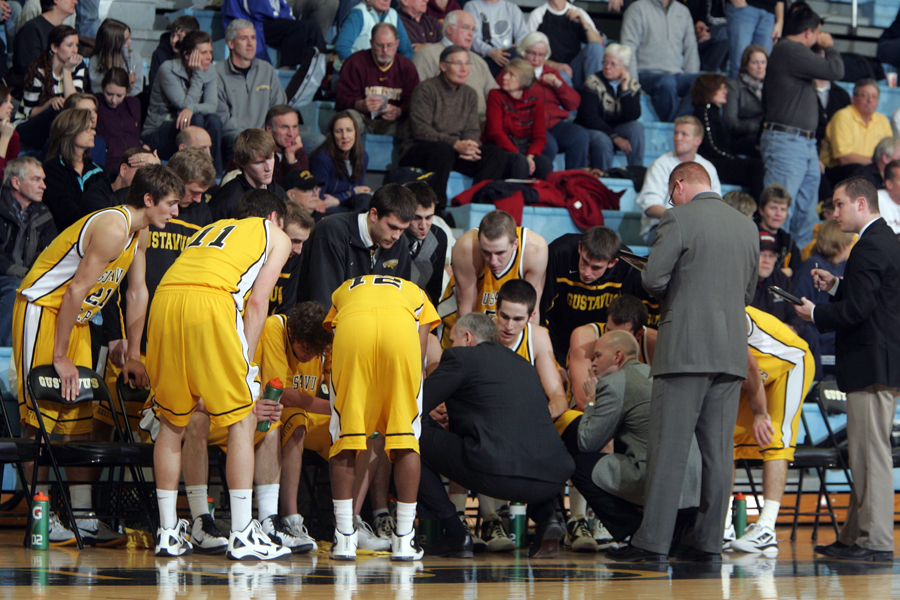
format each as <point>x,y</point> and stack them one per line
<point>458,63</point>
<point>534,54</point>
<point>466,28</point>
<point>674,187</point>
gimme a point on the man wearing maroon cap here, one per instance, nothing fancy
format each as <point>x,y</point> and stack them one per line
<point>769,275</point>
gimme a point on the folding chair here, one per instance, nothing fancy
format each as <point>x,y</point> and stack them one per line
<point>43,385</point>
<point>16,451</point>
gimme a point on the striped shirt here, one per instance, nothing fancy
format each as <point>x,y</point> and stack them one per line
<point>32,92</point>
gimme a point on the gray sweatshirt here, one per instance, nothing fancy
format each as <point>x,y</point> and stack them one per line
<point>505,20</point>
<point>173,91</point>
<point>244,101</point>
<point>662,38</point>
<point>789,93</point>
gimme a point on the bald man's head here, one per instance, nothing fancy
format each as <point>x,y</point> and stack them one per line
<point>194,137</point>
<point>612,350</point>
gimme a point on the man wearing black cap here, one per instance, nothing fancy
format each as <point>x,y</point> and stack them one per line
<point>769,276</point>
<point>303,189</point>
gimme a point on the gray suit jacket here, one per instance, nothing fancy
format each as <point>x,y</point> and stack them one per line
<point>703,267</point>
<point>621,411</point>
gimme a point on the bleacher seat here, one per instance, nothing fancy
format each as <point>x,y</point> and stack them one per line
<point>457,184</point>
<point>648,113</point>
<point>657,140</point>
<point>626,202</point>
<point>382,151</point>
<point>727,187</point>
<point>210,20</point>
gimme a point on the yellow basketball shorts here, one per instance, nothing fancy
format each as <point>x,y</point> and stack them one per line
<point>318,436</point>
<point>784,398</point>
<point>33,333</point>
<point>134,409</point>
<point>376,382</point>
<point>218,435</point>
<point>563,421</point>
<point>196,349</point>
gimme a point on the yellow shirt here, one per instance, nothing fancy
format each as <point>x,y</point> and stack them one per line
<point>776,348</point>
<point>381,294</point>
<point>846,134</point>
<point>275,357</point>
<point>49,278</point>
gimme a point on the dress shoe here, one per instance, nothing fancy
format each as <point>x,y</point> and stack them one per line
<point>827,549</point>
<point>452,547</point>
<point>856,552</point>
<point>546,542</point>
<point>691,554</point>
<point>631,553</point>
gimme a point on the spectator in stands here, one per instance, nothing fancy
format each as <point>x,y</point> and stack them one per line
<point>170,42</point>
<point>439,9</point>
<point>254,154</point>
<point>33,37</point>
<point>341,162</point>
<point>459,29</point>
<point>559,100</point>
<point>516,123</point>
<point>69,169</point>
<point>500,26</point>
<point>376,84</point>
<point>276,27</point>
<point>185,93</point>
<point>283,123</point>
<point>853,133</point>
<point>26,228</point>
<point>774,204</point>
<point>610,109</point>
<point>322,12</point>
<point>248,87</point>
<point>194,137</point>
<point>889,197</point>
<point>303,190</point>
<point>769,275</point>
<point>888,50</point>
<point>832,98</point>
<point>712,36</point>
<point>787,143</point>
<point>113,49</point>
<point>752,22</point>
<point>9,137</point>
<point>830,252</point>
<point>886,151</point>
<point>118,117</point>
<point>743,112</point>
<point>356,31</point>
<point>89,102</point>
<point>655,196</point>
<point>427,242</point>
<point>741,202</point>
<point>105,194</point>
<point>577,45</point>
<point>444,129</point>
<point>708,95</point>
<point>422,28</point>
<point>661,34</point>
<point>9,17</point>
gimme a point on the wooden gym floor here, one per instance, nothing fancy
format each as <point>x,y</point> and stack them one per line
<point>64,573</point>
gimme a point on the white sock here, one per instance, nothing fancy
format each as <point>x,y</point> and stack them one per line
<point>81,499</point>
<point>168,515</point>
<point>406,514</point>
<point>380,511</point>
<point>459,501</point>
<point>343,516</point>
<point>241,509</point>
<point>728,513</point>
<point>486,506</point>
<point>768,514</point>
<point>267,500</point>
<point>197,499</point>
<point>577,504</point>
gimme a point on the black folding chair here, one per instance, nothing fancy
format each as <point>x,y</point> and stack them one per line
<point>16,451</point>
<point>43,385</point>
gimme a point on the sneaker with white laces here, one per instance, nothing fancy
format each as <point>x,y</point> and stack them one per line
<point>253,544</point>
<point>173,542</point>
<point>295,526</point>
<point>757,539</point>
<point>279,533</point>
<point>728,537</point>
<point>578,536</point>
<point>95,532</point>
<point>344,545</point>
<point>384,526</point>
<point>602,536</point>
<point>368,539</point>
<point>206,536</point>
<point>406,547</point>
<point>59,534</point>
<point>495,537</point>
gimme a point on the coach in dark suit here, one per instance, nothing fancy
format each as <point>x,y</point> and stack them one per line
<point>865,314</point>
<point>703,267</point>
<point>500,440</point>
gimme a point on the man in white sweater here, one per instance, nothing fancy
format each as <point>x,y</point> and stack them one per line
<point>655,195</point>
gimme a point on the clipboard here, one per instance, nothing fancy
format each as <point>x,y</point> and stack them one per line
<point>632,259</point>
<point>786,295</point>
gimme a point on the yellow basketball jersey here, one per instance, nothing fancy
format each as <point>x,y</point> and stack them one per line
<point>226,255</point>
<point>371,295</point>
<point>774,345</point>
<point>276,359</point>
<point>49,278</point>
<point>600,329</point>
<point>524,347</point>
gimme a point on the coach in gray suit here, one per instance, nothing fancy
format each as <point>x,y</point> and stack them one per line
<point>703,267</point>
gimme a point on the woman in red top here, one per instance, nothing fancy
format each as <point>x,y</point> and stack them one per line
<point>516,122</point>
<point>9,137</point>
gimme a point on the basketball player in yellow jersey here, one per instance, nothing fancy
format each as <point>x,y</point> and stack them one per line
<point>780,371</point>
<point>212,303</point>
<point>483,260</point>
<point>381,326</point>
<point>68,284</point>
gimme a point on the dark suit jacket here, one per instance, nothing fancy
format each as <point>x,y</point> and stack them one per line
<point>497,405</point>
<point>865,312</point>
